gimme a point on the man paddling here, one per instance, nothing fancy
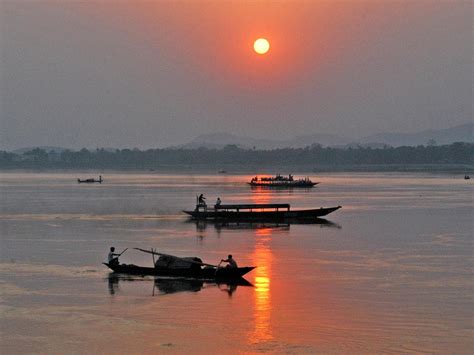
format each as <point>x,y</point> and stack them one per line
<point>113,257</point>
<point>231,262</point>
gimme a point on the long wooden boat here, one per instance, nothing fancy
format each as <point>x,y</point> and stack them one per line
<point>257,212</point>
<point>281,181</point>
<point>90,181</point>
<point>174,266</point>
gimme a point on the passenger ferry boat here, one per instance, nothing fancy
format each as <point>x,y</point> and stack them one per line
<point>281,181</point>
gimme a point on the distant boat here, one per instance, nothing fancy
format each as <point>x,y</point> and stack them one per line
<point>222,172</point>
<point>90,181</point>
<point>467,177</point>
<point>256,212</point>
<point>281,181</point>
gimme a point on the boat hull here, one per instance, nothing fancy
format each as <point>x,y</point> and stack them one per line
<point>200,273</point>
<point>261,215</point>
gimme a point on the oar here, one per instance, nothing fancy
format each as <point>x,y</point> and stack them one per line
<point>176,257</point>
<point>123,251</point>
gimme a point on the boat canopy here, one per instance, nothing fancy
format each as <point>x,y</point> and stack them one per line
<point>253,206</point>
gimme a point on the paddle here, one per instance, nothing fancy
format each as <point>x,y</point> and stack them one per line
<point>176,257</point>
<point>123,251</point>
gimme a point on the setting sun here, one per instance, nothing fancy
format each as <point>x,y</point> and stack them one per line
<point>261,46</point>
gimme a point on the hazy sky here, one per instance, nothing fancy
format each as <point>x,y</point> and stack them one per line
<point>158,73</point>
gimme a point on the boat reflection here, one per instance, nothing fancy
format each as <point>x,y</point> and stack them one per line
<point>167,285</point>
<point>201,225</point>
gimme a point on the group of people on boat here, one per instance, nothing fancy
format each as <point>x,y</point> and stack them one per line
<point>202,201</point>
<point>281,181</point>
<point>278,177</point>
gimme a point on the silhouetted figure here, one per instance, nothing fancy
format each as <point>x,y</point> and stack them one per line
<point>201,200</point>
<point>218,202</point>
<point>231,262</point>
<point>113,257</point>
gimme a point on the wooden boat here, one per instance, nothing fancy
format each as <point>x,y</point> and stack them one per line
<point>173,266</point>
<point>281,181</point>
<point>257,212</point>
<point>90,181</point>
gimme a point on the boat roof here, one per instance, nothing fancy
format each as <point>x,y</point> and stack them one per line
<point>251,206</point>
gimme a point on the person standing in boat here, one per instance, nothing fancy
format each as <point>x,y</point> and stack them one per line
<point>218,202</point>
<point>113,257</point>
<point>231,262</point>
<point>201,199</point>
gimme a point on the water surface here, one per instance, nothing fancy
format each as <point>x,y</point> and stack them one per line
<point>390,272</point>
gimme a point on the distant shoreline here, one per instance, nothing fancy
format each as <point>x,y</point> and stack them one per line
<point>456,157</point>
<point>461,169</point>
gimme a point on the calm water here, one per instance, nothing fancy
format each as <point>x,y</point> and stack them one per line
<point>391,273</point>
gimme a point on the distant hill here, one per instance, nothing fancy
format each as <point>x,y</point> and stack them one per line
<point>220,140</point>
<point>462,133</point>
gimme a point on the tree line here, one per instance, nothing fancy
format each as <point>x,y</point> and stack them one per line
<point>233,156</point>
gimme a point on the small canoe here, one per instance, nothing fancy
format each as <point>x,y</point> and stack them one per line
<point>90,181</point>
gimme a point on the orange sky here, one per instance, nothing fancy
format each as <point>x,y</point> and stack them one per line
<point>180,69</point>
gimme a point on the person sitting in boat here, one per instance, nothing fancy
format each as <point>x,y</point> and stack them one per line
<point>113,257</point>
<point>218,202</point>
<point>231,262</point>
<point>201,199</point>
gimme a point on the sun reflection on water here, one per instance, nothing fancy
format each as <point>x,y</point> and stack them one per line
<point>262,311</point>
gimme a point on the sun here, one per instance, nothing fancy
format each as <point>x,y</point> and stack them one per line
<point>261,46</point>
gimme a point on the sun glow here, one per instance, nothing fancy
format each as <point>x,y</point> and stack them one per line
<point>261,46</point>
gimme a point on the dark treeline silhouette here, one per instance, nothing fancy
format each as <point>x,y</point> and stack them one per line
<point>233,156</point>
